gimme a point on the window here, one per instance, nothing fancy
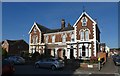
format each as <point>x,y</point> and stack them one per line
<point>35,39</point>
<point>35,30</point>
<point>46,39</point>
<point>72,36</point>
<point>86,35</point>
<point>84,21</point>
<point>64,38</point>
<point>53,38</point>
<point>82,35</point>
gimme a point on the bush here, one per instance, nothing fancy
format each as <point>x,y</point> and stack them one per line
<point>93,59</point>
<point>35,55</point>
<point>4,53</point>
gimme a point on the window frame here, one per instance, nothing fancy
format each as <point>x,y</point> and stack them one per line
<point>64,38</point>
<point>53,38</point>
<point>84,21</point>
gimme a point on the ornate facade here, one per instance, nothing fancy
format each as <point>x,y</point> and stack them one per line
<point>81,40</point>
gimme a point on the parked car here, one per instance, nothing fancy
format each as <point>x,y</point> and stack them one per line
<point>114,56</point>
<point>7,68</point>
<point>16,59</point>
<point>52,63</point>
<point>117,61</point>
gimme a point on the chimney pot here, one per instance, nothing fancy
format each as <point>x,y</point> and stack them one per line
<point>62,23</point>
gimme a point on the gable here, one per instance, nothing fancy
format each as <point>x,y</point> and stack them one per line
<point>82,15</point>
<point>88,26</point>
<point>34,25</point>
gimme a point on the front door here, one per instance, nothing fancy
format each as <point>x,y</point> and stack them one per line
<point>83,50</point>
<point>71,53</point>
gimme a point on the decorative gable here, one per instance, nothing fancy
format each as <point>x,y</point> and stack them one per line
<point>84,22</point>
<point>35,34</point>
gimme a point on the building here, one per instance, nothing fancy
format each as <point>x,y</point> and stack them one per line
<point>81,40</point>
<point>15,46</point>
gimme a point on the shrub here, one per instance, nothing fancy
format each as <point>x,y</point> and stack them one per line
<point>93,59</point>
<point>4,52</point>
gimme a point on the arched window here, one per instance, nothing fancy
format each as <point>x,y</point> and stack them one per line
<point>82,35</point>
<point>35,39</point>
<point>35,30</point>
<point>84,21</point>
<point>86,35</point>
<point>64,38</point>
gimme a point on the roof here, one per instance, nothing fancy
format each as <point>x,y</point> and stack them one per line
<point>13,42</point>
<point>47,30</point>
<point>83,14</point>
<point>42,28</point>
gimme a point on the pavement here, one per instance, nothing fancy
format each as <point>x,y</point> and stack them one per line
<point>108,68</point>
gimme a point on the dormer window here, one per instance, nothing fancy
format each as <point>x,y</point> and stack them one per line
<point>84,21</point>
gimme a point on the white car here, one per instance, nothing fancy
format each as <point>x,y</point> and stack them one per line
<point>52,63</point>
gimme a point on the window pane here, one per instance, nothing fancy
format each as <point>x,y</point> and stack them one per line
<point>84,22</point>
<point>53,38</point>
<point>64,38</point>
<point>87,35</point>
<point>82,35</point>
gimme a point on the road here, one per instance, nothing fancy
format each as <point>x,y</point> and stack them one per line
<point>109,69</point>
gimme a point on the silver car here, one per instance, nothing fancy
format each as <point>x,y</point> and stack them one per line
<point>52,63</point>
<point>16,60</point>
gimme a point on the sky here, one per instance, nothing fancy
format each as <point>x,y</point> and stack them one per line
<point>18,18</point>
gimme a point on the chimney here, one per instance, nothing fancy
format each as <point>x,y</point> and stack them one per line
<point>69,25</point>
<point>62,24</point>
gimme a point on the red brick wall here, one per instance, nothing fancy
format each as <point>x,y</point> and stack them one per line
<point>37,33</point>
<point>89,26</point>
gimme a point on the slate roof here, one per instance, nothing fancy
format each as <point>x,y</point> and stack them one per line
<point>47,30</point>
<point>13,42</point>
<point>17,45</point>
<point>42,28</point>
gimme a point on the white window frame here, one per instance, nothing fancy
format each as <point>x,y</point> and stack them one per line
<point>46,39</point>
<point>84,22</point>
<point>53,38</point>
<point>35,39</point>
<point>64,38</point>
<point>82,35</point>
<point>35,29</point>
<point>86,35</point>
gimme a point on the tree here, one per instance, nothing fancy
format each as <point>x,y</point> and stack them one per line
<point>4,52</point>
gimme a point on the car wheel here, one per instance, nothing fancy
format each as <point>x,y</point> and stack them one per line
<point>37,66</point>
<point>53,67</point>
